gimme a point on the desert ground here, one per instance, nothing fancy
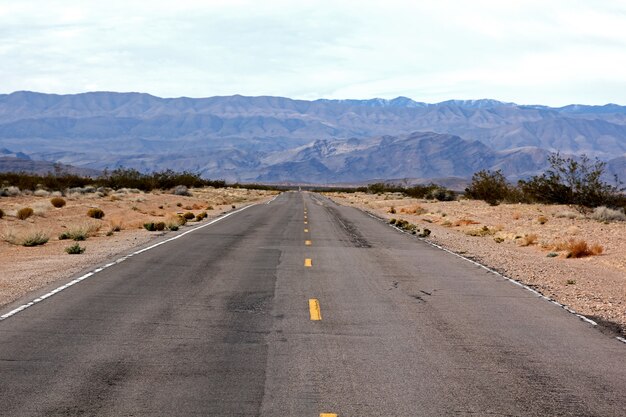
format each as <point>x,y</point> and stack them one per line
<point>529,243</point>
<point>25,269</point>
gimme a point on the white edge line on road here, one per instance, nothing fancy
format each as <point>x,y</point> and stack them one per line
<point>493,271</point>
<point>110,264</point>
<point>272,199</point>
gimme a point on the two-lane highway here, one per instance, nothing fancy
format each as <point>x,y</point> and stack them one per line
<point>303,308</point>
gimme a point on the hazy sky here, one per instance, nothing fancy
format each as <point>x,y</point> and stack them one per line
<point>533,52</point>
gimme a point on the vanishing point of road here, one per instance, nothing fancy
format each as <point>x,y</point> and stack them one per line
<point>302,308</point>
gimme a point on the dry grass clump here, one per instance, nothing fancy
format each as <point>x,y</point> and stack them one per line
<point>516,216</point>
<point>484,231</point>
<point>189,215</point>
<point>116,225</point>
<point>416,209</point>
<point>605,214</point>
<point>1,213</point>
<point>81,232</point>
<point>465,222</point>
<point>578,248</point>
<point>24,213</point>
<point>57,202</point>
<point>201,216</point>
<point>529,239</point>
<point>542,219</point>
<point>95,213</point>
<point>28,239</point>
<point>41,193</point>
<point>392,210</point>
<point>567,215</point>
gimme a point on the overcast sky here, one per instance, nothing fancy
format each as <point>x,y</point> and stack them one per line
<point>532,52</point>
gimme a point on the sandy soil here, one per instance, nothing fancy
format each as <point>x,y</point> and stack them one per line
<point>25,269</point>
<point>594,286</point>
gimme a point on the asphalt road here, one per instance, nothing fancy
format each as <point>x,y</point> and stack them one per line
<point>219,323</point>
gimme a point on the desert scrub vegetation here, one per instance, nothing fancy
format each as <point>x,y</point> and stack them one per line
<point>24,213</point>
<point>528,239</point>
<point>189,215</point>
<point>415,209</point>
<point>28,239</point>
<point>575,181</point>
<point>1,213</point>
<point>201,216</point>
<point>57,202</point>
<point>80,233</point>
<point>410,227</point>
<point>483,231</point>
<point>95,213</point>
<point>578,248</point>
<point>605,214</point>
<point>75,249</point>
<point>118,179</point>
<point>154,226</point>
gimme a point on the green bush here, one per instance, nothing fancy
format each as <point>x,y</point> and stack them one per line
<point>75,249</point>
<point>96,213</point>
<point>488,186</point>
<point>576,181</point>
<point>150,226</point>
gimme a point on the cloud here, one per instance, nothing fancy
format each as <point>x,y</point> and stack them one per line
<point>528,51</point>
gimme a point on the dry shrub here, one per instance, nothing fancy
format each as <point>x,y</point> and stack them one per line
<point>605,214</point>
<point>580,249</point>
<point>95,213</point>
<point>416,209</point>
<point>32,238</point>
<point>1,213</point>
<point>567,215</point>
<point>116,225</point>
<point>41,193</point>
<point>24,213</point>
<point>57,202</point>
<point>529,239</point>
<point>392,210</point>
<point>189,215</point>
<point>465,222</point>
<point>196,206</point>
<point>542,219</point>
<point>484,231</point>
<point>516,216</point>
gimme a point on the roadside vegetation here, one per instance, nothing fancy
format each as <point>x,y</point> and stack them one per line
<point>576,182</point>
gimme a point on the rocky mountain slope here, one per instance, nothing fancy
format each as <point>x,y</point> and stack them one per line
<point>279,139</point>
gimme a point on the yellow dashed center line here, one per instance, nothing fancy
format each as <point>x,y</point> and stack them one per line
<point>306,230</point>
<point>314,309</point>
<point>307,242</point>
<point>328,415</point>
<point>305,222</point>
<point>308,262</point>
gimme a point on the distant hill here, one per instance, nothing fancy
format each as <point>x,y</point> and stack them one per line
<point>274,139</point>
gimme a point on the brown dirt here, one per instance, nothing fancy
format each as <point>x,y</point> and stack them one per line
<point>594,286</point>
<point>25,269</point>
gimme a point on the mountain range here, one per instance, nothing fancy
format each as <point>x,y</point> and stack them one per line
<point>275,139</point>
